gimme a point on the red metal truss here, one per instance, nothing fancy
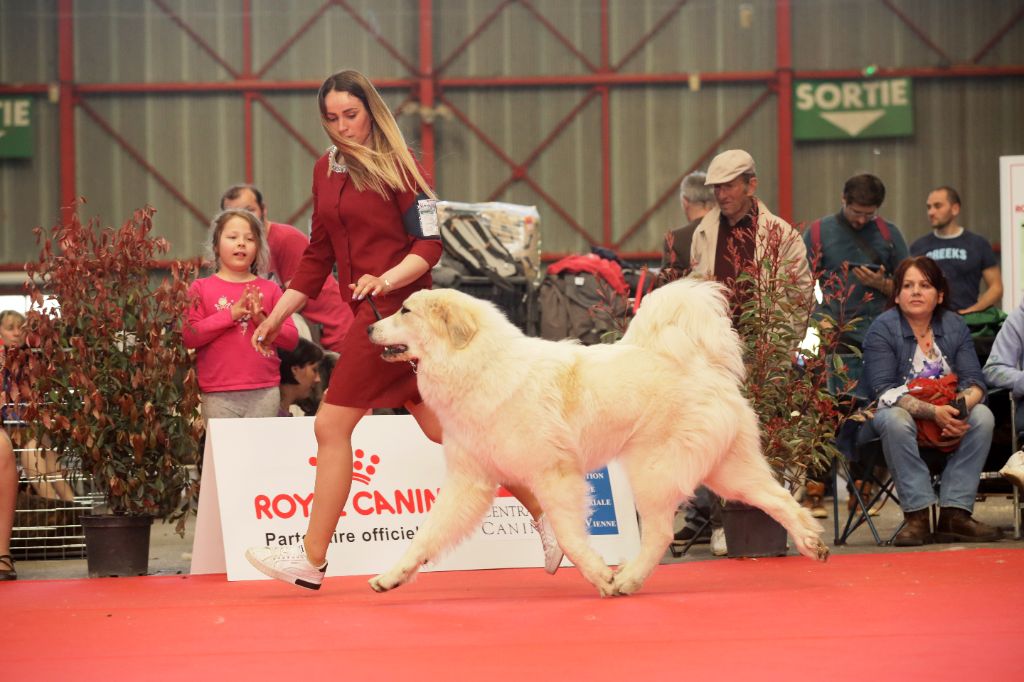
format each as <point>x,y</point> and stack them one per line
<point>141,160</point>
<point>428,81</point>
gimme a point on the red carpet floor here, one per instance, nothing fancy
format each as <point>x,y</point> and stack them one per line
<point>953,615</point>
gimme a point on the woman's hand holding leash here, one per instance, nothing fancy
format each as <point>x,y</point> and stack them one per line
<point>264,335</point>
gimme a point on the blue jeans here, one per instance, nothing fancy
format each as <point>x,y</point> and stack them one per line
<point>960,477</point>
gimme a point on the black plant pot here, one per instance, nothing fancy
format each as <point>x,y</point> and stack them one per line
<point>117,546</point>
<point>750,533</point>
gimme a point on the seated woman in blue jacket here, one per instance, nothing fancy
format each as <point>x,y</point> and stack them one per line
<point>908,350</point>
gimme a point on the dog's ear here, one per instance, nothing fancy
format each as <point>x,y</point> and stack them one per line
<point>454,321</point>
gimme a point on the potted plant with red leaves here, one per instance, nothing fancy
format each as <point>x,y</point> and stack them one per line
<point>108,383</point>
<point>787,381</point>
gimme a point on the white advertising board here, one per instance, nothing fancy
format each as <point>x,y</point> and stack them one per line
<point>257,489</point>
<point>1011,229</point>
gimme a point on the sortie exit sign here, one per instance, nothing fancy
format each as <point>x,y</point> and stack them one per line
<point>860,109</point>
<point>15,127</point>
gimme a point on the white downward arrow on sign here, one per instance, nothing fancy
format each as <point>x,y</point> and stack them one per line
<point>853,122</point>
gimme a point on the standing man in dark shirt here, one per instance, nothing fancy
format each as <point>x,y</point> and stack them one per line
<point>696,199</point>
<point>964,257</point>
<point>856,251</point>
<point>861,250</point>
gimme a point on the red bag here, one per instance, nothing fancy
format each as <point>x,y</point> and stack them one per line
<point>941,391</point>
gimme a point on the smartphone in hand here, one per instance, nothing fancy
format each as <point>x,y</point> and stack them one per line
<point>961,406</point>
<point>875,267</point>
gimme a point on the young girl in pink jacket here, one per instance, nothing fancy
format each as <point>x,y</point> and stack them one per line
<point>235,379</point>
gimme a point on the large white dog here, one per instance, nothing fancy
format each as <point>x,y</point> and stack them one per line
<point>665,400</point>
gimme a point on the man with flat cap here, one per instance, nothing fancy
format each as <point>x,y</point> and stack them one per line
<point>741,222</point>
<point>741,225</point>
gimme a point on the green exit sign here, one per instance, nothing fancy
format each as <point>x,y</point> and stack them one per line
<point>852,109</point>
<point>16,127</point>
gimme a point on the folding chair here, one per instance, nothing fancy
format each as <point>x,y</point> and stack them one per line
<point>871,469</point>
<point>1018,504</point>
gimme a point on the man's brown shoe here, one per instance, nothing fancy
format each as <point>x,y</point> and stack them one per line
<point>916,531</point>
<point>957,525</point>
<point>815,499</point>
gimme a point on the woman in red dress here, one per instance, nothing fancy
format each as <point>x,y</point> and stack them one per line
<point>366,190</point>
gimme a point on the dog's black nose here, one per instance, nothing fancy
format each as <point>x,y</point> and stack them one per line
<point>369,330</point>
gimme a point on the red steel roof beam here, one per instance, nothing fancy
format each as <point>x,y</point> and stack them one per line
<point>248,135</point>
<point>426,84</point>
<point>288,127</point>
<point>998,36</point>
<point>472,36</point>
<point>607,79</point>
<point>520,169</point>
<point>286,45</point>
<point>369,28</point>
<point>559,36</point>
<point>500,153</point>
<point>747,113</point>
<point>224,86</point>
<point>606,145</point>
<point>124,144</point>
<point>917,31</point>
<point>647,37</point>
<point>784,102</point>
<point>25,89</point>
<point>958,71</point>
<point>66,107</point>
<point>291,220</point>
<point>198,39</point>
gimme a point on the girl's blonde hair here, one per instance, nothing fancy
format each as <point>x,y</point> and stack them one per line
<point>11,313</point>
<point>385,161</point>
<point>261,263</point>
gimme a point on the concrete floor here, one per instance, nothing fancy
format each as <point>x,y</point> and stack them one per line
<point>171,554</point>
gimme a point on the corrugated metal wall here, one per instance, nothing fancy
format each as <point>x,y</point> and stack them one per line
<point>195,141</point>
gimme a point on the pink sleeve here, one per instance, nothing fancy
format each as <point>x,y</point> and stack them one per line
<point>203,326</point>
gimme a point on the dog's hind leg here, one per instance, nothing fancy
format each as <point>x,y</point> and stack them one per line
<point>457,512</point>
<point>744,475</point>
<point>656,496</point>
<point>563,494</point>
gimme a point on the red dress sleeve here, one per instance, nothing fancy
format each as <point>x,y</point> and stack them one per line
<point>319,257</point>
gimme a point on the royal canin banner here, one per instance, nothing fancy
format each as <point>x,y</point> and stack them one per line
<point>257,489</point>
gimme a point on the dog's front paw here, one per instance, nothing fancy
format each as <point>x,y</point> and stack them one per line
<point>603,579</point>
<point>813,548</point>
<point>385,582</point>
<point>821,550</point>
<point>627,581</point>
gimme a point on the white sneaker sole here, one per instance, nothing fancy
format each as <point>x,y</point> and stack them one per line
<point>280,575</point>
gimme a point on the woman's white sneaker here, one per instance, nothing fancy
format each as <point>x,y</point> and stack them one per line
<point>552,552</point>
<point>288,564</point>
<point>1013,470</point>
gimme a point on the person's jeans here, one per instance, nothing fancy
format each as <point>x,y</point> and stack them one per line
<point>960,477</point>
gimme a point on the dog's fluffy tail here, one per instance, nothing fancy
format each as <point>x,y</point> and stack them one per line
<point>685,317</point>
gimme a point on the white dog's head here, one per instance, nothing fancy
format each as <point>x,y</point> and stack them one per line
<point>428,318</point>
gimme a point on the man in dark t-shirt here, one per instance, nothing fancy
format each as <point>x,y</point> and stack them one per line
<point>964,257</point>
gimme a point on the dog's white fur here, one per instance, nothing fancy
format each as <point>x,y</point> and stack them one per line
<point>665,400</point>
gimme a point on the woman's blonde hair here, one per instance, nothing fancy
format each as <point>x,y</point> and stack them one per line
<point>385,161</point>
<point>261,263</point>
